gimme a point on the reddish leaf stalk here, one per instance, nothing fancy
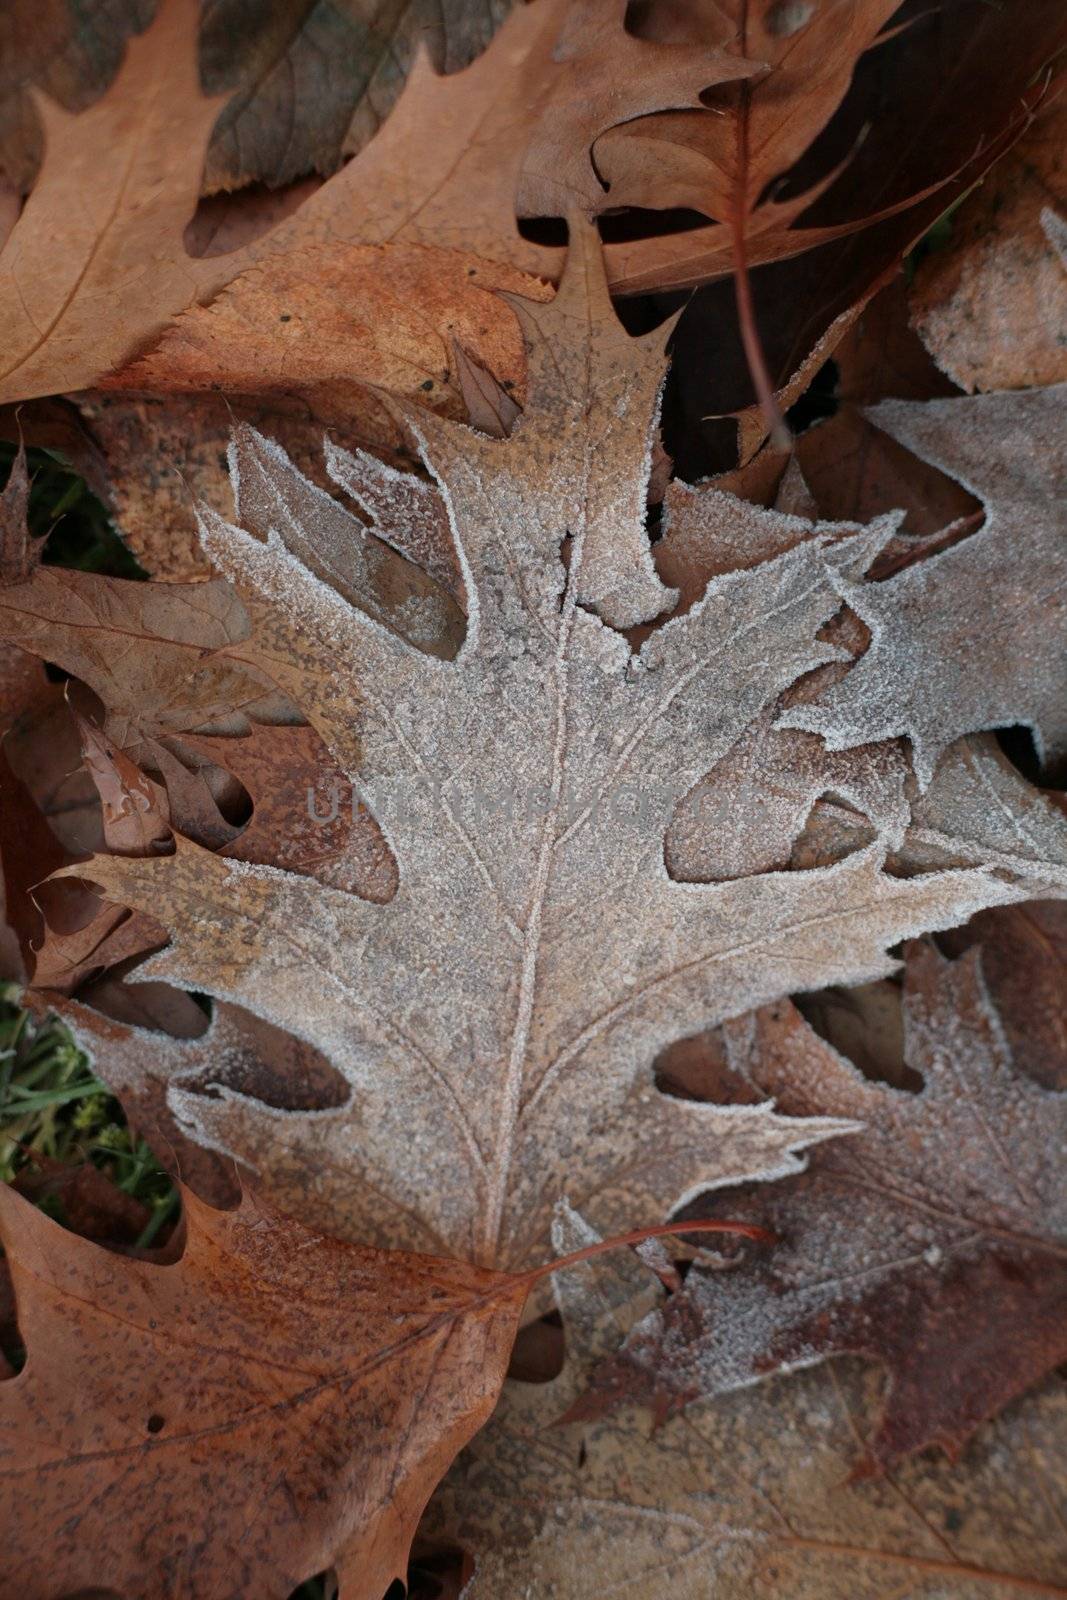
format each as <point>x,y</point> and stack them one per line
<point>744,1230</point>
<point>781,438</point>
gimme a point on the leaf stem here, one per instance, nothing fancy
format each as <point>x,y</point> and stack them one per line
<point>745,1230</point>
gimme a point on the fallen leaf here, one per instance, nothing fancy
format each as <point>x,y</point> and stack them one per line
<point>991,305</point>
<point>723,165</point>
<point>160,1075</point>
<point>979,808</point>
<point>93,1206</point>
<point>272,1403</point>
<point>329,319</point>
<point>607,76</point>
<point>135,812</point>
<point>926,645</point>
<point>120,182</point>
<point>306,86</point>
<point>517,1018</point>
<point>750,1497</point>
<point>193,699</point>
<point>118,185</point>
<point>745,815</point>
<point>1023,959</point>
<point>947,1200</point>
<point>18,554</point>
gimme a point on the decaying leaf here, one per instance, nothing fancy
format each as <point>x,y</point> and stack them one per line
<point>270,1404</point>
<point>118,185</point>
<point>752,1495</point>
<point>305,84</point>
<point>135,813</point>
<point>499,831</point>
<point>932,1239</point>
<point>493,1015</point>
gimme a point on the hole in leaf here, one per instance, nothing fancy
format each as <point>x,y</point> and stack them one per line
<point>697,1069</point>
<point>1020,747</point>
<point>866,1024</point>
<point>549,231</point>
<point>538,1352</point>
<point>324,1586</point>
<point>818,401</point>
<point>156,1423</point>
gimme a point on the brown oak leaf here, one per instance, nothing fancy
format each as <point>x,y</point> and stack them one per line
<point>991,304</point>
<point>272,1403</point>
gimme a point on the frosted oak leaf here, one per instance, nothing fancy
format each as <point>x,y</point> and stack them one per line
<point>949,1199</point>
<point>498,1018</point>
<point>748,1497</point>
<point>973,638</point>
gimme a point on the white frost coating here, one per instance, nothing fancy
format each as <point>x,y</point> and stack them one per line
<point>979,809</point>
<point>405,511</point>
<point>498,1018</point>
<point>969,1164</point>
<point>1054,228</point>
<point>748,1495</point>
<point>975,637</point>
<point>274,499</point>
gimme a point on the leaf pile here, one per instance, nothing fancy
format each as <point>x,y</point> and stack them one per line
<point>583,801</point>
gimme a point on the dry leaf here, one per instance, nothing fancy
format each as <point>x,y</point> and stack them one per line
<point>723,165</point>
<point>102,230</point>
<point>746,814</point>
<point>328,319</point>
<point>991,305</point>
<point>1024,965</point>
<point>192,699</point>
<point>119,183</point>
<point>979,808</point>
<point>136,818</point>
<point>525,788</point>
<point>608,76</point>
<point>272,1403</point>
<point>932,1239</point>
<point>747,1498</point>
<point>304,82</point>
<point>936,668</point>
<point>18,553</point>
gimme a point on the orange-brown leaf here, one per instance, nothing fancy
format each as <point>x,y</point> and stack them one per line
<point>272,1403</point>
